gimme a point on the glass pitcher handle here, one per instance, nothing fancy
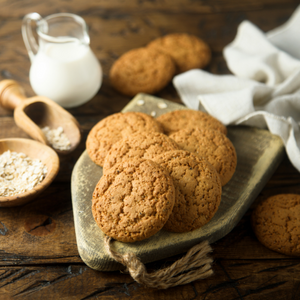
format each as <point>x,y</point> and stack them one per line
<point>28,38</point>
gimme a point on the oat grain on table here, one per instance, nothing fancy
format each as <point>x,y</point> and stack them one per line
<point>133,200</point>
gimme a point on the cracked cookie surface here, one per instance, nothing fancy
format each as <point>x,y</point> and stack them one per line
<point>188,119</point>
<point>133,200</point>
<point>139,145</point>
<point>141,70</point>
<point>212,145</point>
<point>275,222</point>
<point>188,51</point>
<point>115,127</point>
<point>197,190</point>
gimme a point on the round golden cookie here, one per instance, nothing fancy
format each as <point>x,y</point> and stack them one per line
<point>113,128</point>
<point>133,200</point>
<point>187,51</point>
<point>141,70</point>
<point>276,223</point>
<point>212,145</point>
<point>139,145</point>
<point>197,190</point>
<point>188,119</point>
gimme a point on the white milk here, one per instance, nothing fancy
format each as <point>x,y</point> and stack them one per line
<point>67,73</point>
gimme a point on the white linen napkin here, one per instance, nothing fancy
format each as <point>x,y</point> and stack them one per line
<point>265,88</point>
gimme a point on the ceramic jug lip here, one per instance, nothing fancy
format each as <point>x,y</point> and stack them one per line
<point>42,28</point>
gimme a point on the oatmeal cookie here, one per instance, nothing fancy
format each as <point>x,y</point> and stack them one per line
<point>113,128</point>
<point>141,70</point>
<point>188,51</point>
<point>276,221</point>
<point>212,145</point>
<point>139,145</point>
<point>133,200</point>
<point>188,119</point>
<point>197,190</point>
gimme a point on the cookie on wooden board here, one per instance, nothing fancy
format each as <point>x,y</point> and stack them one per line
<point>212,145</point>
<point>188,51</point>
<point>141,70</point>
<point>188,119</point>
<point>139,145</point>
<point>115,127</point>
<point>275,222</point>
<point>133,200</point>
<point>197,190</point>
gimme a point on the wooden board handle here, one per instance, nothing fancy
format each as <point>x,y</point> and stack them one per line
<point>11,94</point>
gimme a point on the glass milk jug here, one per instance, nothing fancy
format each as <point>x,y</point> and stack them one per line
<point>63,67</point>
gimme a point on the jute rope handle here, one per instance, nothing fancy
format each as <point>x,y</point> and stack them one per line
<point>195,265</point>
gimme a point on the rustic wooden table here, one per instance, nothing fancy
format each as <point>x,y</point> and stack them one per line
<point>38,251</point>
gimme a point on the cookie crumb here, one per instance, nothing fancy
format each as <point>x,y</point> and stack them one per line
<point>162,105</point>
<point>140,102</point>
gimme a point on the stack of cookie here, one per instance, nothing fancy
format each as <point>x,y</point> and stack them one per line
<point>151,68</point>
<point>156,174</point>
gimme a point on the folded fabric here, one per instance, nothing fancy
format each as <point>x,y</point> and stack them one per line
<point>265,88</point>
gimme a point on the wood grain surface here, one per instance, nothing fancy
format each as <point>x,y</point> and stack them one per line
<point>38,249</point>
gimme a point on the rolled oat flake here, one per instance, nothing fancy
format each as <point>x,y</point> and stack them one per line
<point>19,173</point>
<point>57,138</point>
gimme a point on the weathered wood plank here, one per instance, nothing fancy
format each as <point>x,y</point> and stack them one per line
<point>25,237</point>
<point>233,279</point>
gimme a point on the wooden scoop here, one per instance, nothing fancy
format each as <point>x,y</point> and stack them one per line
<point>34,150</point>
<point>32,114</point>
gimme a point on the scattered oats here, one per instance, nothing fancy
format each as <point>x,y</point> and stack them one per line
<point>153,113</point>
<point>162,105</point>
<point>19,173</point>
<point>57,138</point>
<point>140,102</point>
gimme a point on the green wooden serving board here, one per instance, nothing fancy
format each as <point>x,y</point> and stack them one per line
<point>258,154</point>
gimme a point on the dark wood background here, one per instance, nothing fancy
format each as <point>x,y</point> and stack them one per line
<point>38,251</point>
